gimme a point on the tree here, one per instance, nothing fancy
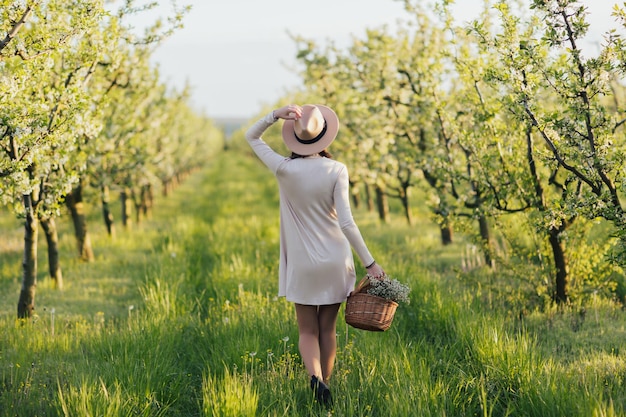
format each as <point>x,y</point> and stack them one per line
<point>42,102</point>
<point>558,93</point>
<point>57,74</point>
<point>123,55</point>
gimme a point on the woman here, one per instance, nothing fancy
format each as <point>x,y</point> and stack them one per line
<point>317,231</point>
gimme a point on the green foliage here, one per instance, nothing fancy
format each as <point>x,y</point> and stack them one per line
<point>504,115</point>
<point>83,104</point>
<point>44,72</point>
<point>180,318</point>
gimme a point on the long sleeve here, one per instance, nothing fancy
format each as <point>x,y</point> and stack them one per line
<point>317,232</point>
<point>266,154</point>
<point>346,221</point>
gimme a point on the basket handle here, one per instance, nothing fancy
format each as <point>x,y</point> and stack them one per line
<point>362,284</point>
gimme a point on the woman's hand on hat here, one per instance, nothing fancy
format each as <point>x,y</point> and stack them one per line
<point>289,112</point>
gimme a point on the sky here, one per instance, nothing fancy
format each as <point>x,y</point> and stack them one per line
<point>238,55</point>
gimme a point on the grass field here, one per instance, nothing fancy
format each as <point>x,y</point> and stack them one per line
<point>178,317</point>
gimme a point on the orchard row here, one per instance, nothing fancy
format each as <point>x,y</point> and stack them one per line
<point>503,121</point>
<point>83,106</point>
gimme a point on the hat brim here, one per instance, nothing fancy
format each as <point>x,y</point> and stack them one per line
<point>332,127</point>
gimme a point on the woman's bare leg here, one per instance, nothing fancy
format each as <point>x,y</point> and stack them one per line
<point>327,318</point>
<point>308,342</point>
<point>317,338</point>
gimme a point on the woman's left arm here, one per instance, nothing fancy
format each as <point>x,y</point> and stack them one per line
<point>349,226</point>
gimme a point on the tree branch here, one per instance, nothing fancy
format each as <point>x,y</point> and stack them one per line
<point>590,136</point>
<point>16,28</point>
<point>618,124</point>
<point>553,149</point>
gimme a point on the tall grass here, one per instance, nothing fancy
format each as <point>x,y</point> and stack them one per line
<point>179,318</point>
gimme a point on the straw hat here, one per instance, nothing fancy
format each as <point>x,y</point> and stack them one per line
<point>313,132</point>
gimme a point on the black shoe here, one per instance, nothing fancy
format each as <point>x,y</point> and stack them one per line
<point>322,392</point>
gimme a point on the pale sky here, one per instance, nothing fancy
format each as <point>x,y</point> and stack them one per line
<point>237,54</point>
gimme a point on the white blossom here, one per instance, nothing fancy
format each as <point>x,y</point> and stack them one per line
<point>389,288</point>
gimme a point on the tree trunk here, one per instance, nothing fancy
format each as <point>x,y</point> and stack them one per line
<point>487,243</point>
<point>560,263</point>
<point>446,233</point>
<point>356,198</point>
<point>52,238</point>
<point>370,200</point>
<point>136,200</point>
<point>166,188</point>
<point>169,185</point>
<point>382,204</point>
<point>74,202</point>
<point>147,200</point>
<point>404,198</point>
<point>106,211</point>
<point>126,208</point>
<point>445,224</point>
<point>26,303</point>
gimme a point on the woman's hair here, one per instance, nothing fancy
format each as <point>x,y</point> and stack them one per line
<point>323,153</point>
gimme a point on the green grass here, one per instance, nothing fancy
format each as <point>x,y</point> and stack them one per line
<point>179,317</point>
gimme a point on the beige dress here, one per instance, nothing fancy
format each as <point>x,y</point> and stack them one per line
<point>317,230</point>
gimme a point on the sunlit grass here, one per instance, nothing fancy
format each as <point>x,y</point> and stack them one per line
<point>179,317</point>
<point>233,395</point>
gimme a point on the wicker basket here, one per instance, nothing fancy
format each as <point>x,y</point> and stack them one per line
<point>369,312</point>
